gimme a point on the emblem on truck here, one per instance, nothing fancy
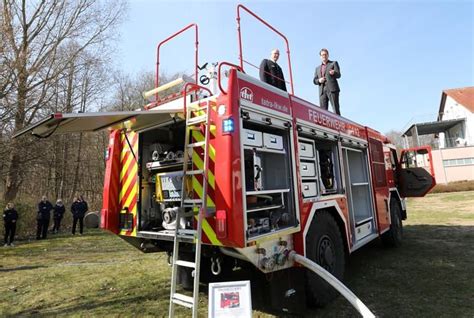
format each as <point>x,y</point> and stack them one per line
<point>246,93</point>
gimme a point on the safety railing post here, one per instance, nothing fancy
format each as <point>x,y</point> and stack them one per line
<point>241,57</point>
<point>196,53</point>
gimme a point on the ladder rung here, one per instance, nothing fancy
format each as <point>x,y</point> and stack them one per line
<point>197,120</point>
<point>189,213</point>
<point>187,232</point>
<point>197,144</point>
<point>196,108</point>
<point>186,264</point>
<point>183,300</point>
<point>193,201</point>
<point>194,172</point>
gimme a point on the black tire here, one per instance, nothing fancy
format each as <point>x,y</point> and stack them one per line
<point>324,245</point>
<point>393,237</point>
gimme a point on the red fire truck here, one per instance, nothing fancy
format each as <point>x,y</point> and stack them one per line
<point>252,172</point>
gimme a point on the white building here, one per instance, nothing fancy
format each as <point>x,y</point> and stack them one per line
<point>457,106</point>
<point>453,155</point>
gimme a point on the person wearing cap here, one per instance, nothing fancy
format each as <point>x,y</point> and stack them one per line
<point>270,71</point>
<point>10,216</point>
<point>325,76</point>
<point>58,213</point>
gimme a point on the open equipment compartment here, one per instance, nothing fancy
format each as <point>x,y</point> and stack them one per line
<point>359,191</point>
<point>269,203</point>
<point>161,176</point>
<point>319,164</point>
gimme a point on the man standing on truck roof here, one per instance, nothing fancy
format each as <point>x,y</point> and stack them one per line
<point>270,71</point>
<point>325,76</point>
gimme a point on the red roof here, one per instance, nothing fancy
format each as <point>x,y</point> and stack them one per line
<point>463,96</point>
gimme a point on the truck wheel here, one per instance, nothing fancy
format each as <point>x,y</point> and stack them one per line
<point>393,237</point>
<point>324,246</point>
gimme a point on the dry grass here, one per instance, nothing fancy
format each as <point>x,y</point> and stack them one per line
<point>454,187</point>
<point>98,274</point>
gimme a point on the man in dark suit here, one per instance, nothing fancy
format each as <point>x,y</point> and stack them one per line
<point>271,73</point>
<point>43,217</point>
<point>325,76</point>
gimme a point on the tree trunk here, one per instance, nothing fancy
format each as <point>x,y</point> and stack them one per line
<point>13,180</point>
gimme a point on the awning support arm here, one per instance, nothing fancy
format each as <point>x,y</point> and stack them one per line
<point>52,132</point>
<point>130,146</point>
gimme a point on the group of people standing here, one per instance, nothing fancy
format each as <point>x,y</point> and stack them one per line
<point>325,76</point>
<point>79,209</point>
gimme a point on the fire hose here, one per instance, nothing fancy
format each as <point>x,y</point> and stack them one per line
<point>334,282</point>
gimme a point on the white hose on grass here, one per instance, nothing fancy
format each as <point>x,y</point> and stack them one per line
<point>334,282</point>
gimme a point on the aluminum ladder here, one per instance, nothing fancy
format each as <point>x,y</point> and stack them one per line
<point>197,119</point>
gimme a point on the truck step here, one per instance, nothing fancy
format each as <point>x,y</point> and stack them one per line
<point>183,300</point>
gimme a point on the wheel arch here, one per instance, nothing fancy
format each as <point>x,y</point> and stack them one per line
<point>395,195</point>
<point>334,210</point>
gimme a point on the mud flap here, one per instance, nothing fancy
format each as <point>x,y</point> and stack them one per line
<point>287,291</point>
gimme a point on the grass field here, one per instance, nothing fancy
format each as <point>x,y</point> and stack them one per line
<point>98,274</point>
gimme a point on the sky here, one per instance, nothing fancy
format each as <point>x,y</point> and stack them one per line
<point>396,57</point>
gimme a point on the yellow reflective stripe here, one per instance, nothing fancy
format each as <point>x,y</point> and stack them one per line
<point>211,235</point>
<point>200,165</point>
<point>198,188</point>
<point>130,177</point>
<point>200,137</point>
<point>131,195</point>
<point>125,165</point>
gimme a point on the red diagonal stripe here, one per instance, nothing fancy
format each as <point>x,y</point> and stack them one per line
<point>127,193</point>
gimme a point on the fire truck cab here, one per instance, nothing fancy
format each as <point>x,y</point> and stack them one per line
<point>281,175</point>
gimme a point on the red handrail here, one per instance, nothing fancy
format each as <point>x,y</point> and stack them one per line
<point>271,28</point>
<point>195,88</point>
<point>219,74</point>
<point>196,44</point>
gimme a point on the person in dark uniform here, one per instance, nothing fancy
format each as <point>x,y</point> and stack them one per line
<point>58,213</point>
<point>10,216</point>
<point>325,76</point>
<point>78,209</point>
<point>44,215</point>
<point>271,73</point>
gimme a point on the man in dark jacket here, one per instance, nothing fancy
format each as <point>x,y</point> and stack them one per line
<point>325,76</point>
<point>271,73</point>
<point>44,215</point>
<point>78,209</point>
<point>58,214</point>
<point>10,216</point>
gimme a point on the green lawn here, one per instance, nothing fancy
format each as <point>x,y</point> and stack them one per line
<point>98,274</point>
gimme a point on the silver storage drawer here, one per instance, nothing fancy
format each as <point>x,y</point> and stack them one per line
<point>306,150</point>
<point>307,169</point>
<point>252,138</point>
<point>309,189</point>
<point>273,141</point>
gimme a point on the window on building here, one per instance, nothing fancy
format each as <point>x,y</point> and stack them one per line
<point>458,162</point>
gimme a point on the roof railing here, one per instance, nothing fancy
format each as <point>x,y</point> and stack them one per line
<point>241,57</point>
<point>196,50</point>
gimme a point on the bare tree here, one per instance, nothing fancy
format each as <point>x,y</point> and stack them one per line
<point>396,138</point>
<point>42,43</point>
